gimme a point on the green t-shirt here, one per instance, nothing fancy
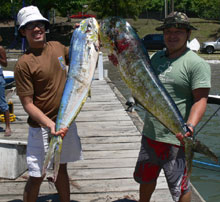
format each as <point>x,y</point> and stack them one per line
<point>179,76</point>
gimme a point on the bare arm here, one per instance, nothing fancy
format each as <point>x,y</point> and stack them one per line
<point>3,58</point>
<point>36,114</point>
<point>199,107</point>
<point>197,110</point>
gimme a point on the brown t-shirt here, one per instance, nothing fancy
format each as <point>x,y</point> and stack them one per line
<point>42,74</point>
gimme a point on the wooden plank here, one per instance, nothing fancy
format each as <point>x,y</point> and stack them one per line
<point>84,132</point>
<point>100,173</point>
<point>106,106</point>
<point>109,139</point>
<point>110,143</point>
<point>83,186</point>
<point>102,116</point>
<point>110,154</point>
<point>127,196</point>
<point>103,98</point>
<point>111,147</point>
<point>104,163</point>
<point>107,125</point>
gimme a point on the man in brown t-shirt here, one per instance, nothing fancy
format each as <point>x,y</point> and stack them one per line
<point>40,76</point>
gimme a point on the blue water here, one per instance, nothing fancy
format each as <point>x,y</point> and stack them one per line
<point>206,179</point>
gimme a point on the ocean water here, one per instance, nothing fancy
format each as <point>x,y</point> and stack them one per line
<point>205,178</point>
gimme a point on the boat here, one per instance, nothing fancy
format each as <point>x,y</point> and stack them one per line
<point>214,99</point>
<point>9,79</point>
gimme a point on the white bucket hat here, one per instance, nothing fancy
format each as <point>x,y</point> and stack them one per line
<point>29,14</point>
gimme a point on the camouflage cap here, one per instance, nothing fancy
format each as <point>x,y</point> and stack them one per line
<point>176,19</point>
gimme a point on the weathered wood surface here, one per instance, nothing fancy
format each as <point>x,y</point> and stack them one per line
<point>110,143</point>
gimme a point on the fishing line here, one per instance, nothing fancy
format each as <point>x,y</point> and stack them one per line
<point>206,122</point>
<point>205,168</point>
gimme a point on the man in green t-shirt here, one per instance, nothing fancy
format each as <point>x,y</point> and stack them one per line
<point>187,78</point>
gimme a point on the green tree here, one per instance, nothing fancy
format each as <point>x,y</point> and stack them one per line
<point>209,9</point>
<point>9,8</point>
<point>183,5</point>
<point>70,6</point>
<point>155,5</point>
<point>62,6</point>
<point>121,8</point>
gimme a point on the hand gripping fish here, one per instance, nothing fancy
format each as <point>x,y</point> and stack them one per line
<point>133,61</point>
<point>83,54</point>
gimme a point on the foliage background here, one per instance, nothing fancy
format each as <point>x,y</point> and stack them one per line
<point>206,9</point>
<point>143,15</point>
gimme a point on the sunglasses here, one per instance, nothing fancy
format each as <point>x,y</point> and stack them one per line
<point>32,25</point>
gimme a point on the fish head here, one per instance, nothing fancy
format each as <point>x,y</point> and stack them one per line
<point>201,148</point>
<point>113,32</point>
<point>114,37</point>
<point>107,29</point>
<point>119,37</point>
<point>85,34</point>
<point>90,28</point>
<point>89,25</point>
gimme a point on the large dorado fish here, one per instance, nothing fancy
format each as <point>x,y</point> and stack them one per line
<point>133,63</point>
<point>83,54</point>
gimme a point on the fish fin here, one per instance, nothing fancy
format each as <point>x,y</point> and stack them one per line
<point>50,154</point>
<point>137,103</point>
<point>57,152</point>
<point>89,93</point>
<point>51,182</point>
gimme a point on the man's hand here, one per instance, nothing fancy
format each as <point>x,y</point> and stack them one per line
<point>76,26</point>
<point>62,132</point>
<point>180,136</point>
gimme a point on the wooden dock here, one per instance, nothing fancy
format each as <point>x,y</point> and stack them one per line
<point>110,140</point>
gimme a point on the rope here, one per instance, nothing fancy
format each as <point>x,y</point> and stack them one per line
<point>206,122</point>
<point>208,164</point>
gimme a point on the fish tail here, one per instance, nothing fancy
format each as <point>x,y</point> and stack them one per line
<point>57,153</point>
<point>49,154</point>
<point>203,149</point>
<point>189,154</point>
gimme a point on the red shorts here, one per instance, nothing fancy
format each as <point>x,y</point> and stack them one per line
<point>155,156</point>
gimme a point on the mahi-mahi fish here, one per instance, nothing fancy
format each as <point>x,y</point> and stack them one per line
<point>83,54</point>
<point>130,56</point>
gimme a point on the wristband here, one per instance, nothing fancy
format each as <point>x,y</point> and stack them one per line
<point>191,125</point>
